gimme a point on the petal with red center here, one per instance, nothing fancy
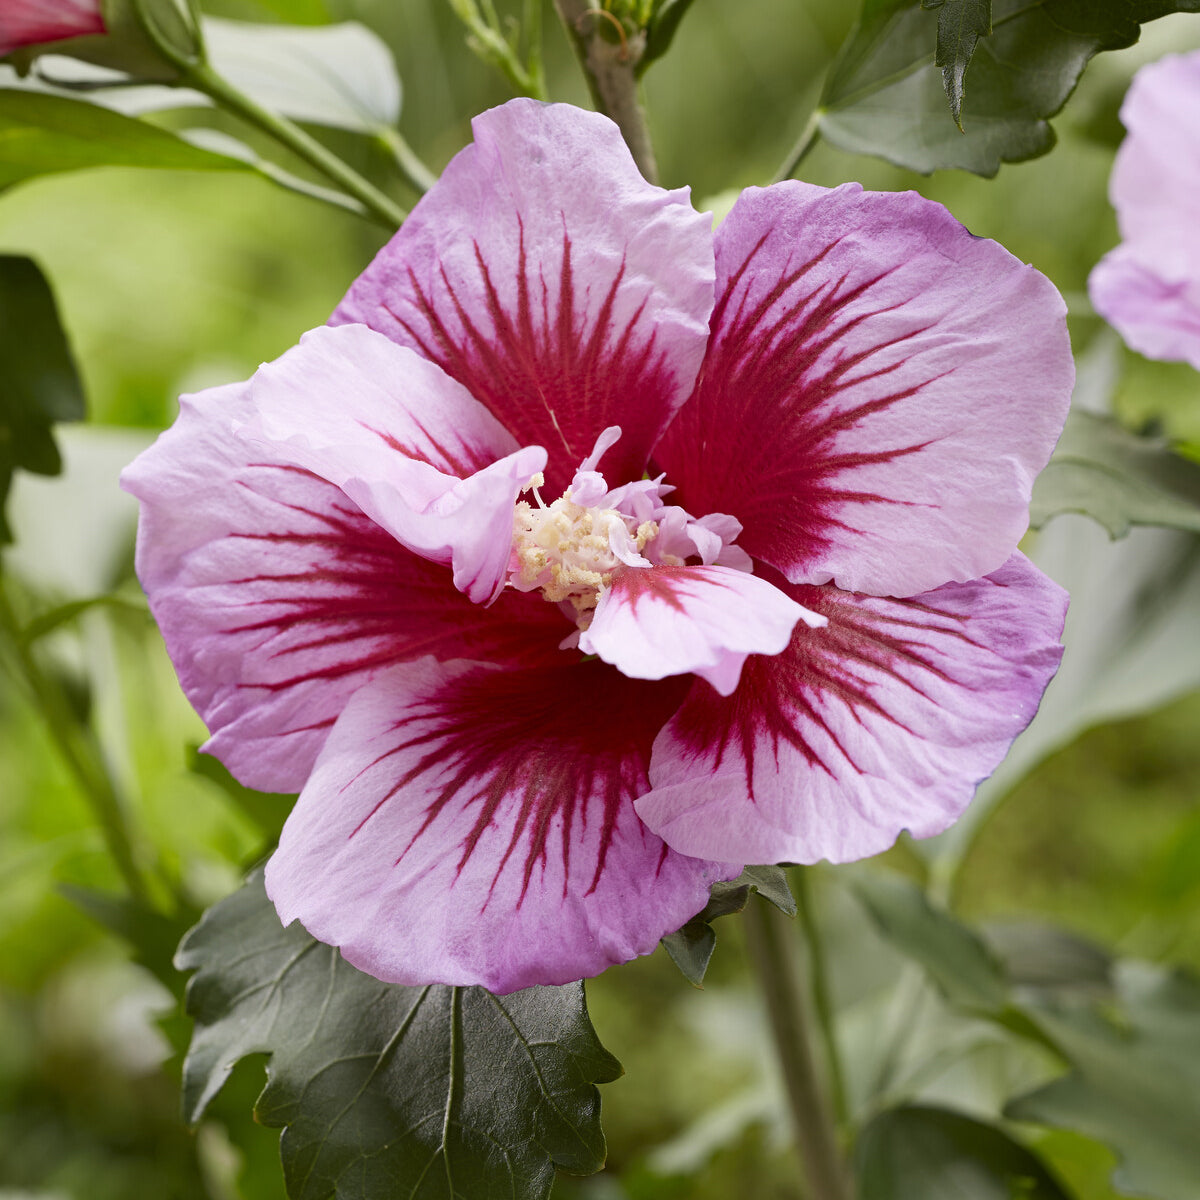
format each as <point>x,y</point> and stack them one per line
<point>658,621</point>
<point>880,390</point>
<point>405,442</point>
<point>278,598</point>
<point>466,825</point>
<point>564,291</point>
<point>886,719</point>
<point>30,22</point>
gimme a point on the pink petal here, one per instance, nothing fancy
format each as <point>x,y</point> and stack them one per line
<point>659,621</point>
<point>1156,175</point>
<point>880,390</point>
<point>1149,287</point>
<point>28,22</point>
<point>278,598</point>
<point>547,276</point>
<point>474,826</point>
<point>886,719</point>
<point>406,443</point>
<point>1156,316</point>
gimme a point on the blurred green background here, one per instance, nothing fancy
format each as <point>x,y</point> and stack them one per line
<point>171,282</point>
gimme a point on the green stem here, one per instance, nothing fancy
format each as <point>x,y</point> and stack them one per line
<point>195,72</point>
<point>773,945</point>
<point>416,174</point>
<point>610,69</point>
<point>204,79</point>
<point>809,136</point>
<point>78,749</point>
<point>822,998</point>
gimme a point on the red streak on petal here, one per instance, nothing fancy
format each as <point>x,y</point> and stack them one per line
<point>781,698</point>
<point>528,748</point>
<point>359,591</point>
<point>666,584</point>
<point>552,375</point>
<point>758,438</point>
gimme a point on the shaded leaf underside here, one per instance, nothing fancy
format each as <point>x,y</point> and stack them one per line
<point>41,385</point>
<point>386,1091</point>
<point>1117,478</point>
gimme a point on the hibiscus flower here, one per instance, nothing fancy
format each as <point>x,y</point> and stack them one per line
<point>587,555</point>
<point>29,22</point>
<point>1149,286</point>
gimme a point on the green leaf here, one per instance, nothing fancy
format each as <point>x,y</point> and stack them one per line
<point>47,622</point>
<point>41,385</point>
<point>885,97</point>
<point>919,1153</point>
<point>953,956</point>
<point>961,23</point>
<point>1136,1084</point>
<point>440,1093</point>
<point>691,947</point>
<point>152,935</point>
<point>266,809</point>
<point>45,135</point>
<point>664,24</point>
<point>339,75</point>
<point>1034,955</point>
<point>1117,478</point>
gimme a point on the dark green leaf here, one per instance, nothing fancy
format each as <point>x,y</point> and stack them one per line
<point>1045,957</point>
<point>884,95</point>
<point>954,957</point>
<point>41,385</point>
<point>691,948</point>
<point>425,1093</point>
<point>662,29</point>
<point>44,135</point>
<point>771,883</point>
<point>1135,1085</point>
<point>919,1153</point>
<point>1117,478</point>
<point>961,23</point>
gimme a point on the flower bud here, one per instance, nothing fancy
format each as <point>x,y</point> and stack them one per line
<point>142,38</point>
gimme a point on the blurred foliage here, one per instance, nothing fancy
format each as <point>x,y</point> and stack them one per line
<point>167,282</point>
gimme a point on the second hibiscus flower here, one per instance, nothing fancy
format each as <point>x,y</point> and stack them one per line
<point>588,555</point>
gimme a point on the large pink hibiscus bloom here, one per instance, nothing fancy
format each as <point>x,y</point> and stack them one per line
<point>28,22</point>
<point>587,556</point>
<point>1149,286</point>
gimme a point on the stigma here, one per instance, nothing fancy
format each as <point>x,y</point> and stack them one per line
<point>570,551</point>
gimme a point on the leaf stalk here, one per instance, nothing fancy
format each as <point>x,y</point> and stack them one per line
<point>77,746</point>
<point>611,72</point>
<point>773,950</point>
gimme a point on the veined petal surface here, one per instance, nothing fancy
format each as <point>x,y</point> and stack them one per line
<point>278,598</point>
<point>545,275</point>
<point>404,441</point>
<point>659,621</point>
<point>879,392</point>
<point>468,825</point>
<point>885,719</point>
